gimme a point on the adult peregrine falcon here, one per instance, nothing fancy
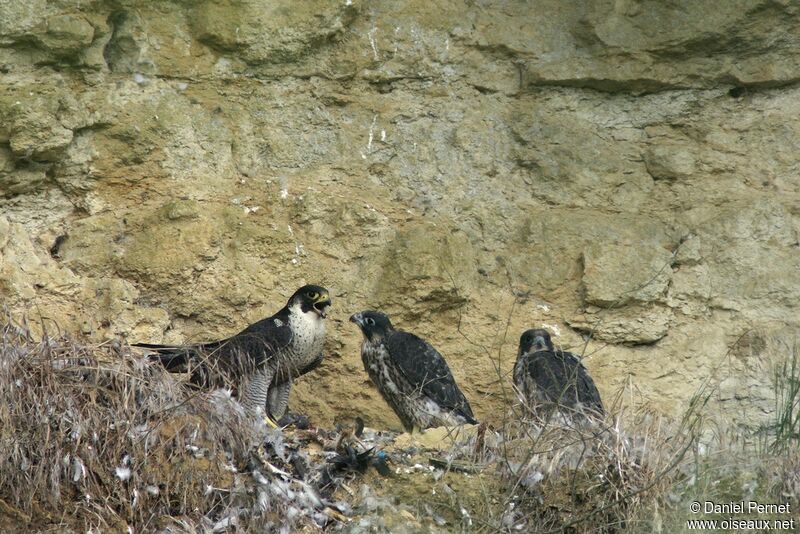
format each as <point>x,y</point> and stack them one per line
<point>261,361</point>
<point>411,375</point>
<point>547,379</point>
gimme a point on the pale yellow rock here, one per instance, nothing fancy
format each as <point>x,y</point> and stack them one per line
<point>65,34</point>
<point>173,171</point>
<point>614,275</point>
<point>437,438</point>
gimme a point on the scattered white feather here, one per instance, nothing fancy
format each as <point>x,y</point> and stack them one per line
<point>78,469</point>
<point>260,478</point>
<point>123,473</point>
<point>292,513</point>
<point>466,516</point>
<point>224,524</point>
<point>263,499</point>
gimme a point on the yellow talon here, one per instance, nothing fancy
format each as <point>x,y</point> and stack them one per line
<point>271,422</point>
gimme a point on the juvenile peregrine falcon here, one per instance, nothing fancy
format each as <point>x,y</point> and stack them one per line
<point>411,375</point>
<point>548,379</point>
<point>262,360</point>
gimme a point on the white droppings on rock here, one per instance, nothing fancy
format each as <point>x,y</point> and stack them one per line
<point>373,42</point>
<point>284,182</point>
<point>553,328</point>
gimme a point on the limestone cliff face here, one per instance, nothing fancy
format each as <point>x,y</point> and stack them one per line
<point>172,171</point>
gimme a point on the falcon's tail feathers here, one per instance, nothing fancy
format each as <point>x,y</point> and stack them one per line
<point>169,356</point>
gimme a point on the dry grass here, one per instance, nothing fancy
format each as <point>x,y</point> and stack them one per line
<point>636,471</point>
<point>560,476</point>
<point>604,477</point>
<point>95,437</point>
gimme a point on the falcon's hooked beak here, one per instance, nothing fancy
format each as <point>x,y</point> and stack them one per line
<point>322,304</point>
<point>539,343</point>
<point>357,318</point>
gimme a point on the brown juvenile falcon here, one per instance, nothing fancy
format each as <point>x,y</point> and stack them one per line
<point>411,375</point>
<point>549,380</point>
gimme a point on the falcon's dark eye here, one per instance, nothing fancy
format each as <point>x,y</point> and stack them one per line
<point>370,321</point>
<point>312,295</point>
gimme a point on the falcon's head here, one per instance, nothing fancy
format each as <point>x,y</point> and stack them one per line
<point>374,324</point>
<point>535,340</point>
<point>312,298</point>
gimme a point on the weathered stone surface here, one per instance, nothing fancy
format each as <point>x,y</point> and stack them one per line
<point>64,34</point>
<point>39,136</point>
<point>422,265</point>
<point>553,241</point>
<point>18,18</point>
<point>27,272</point>
<point>277,32</point>
<point>23,179</point>
<point>4,228</point>
<point>173,171</point>
<point>753,249</point>
<point>614,275</point>
<point>669,162</point>
<point>638,324</point>
<point>624,46</point>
